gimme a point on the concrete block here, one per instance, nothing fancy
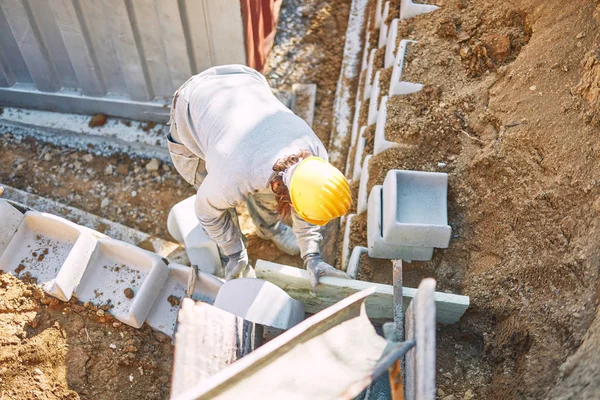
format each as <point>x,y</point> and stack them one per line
<point>378,13</point>
<point>397,85</point>
<point>379,306</point>
<point>163,315</point>
<point>365,56</point>
<point>355,125</point>
<point>51,249</point>
<point>380,249</point>
<point>369,81</point>
<point>260,302</point>
<point>346,241</point>
<point>380,143</point>
<point>390,47</point>
<point>124,276</point>
<point>383,30</point>
<point>361,205</point>
<point>415,209</point>
<point>184,226</point>
<point>354,262</point>
<point>409,9</point>
<point>373,102</point>
<point>10,218</point>
<point>360,147</point>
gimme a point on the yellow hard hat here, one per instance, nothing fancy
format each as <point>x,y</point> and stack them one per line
<point>319,191</point>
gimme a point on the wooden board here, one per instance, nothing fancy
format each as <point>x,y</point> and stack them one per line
<point>380,305</point>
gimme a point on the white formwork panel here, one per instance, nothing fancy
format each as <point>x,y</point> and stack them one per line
<point>362,201</point>
<point>10,218</point>
<point>51,249</point>
<point>397,85</point>
<point>124,276</point>
<point>409,9</point>
<point>380,249</point>
<point>163,315</point>
<point>415,209</point>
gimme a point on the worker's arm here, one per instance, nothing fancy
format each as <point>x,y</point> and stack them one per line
<point>309,240</point>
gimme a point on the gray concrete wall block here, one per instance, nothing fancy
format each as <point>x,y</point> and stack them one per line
<point>390,47</point>
<point>397,85</point>
<point>373,105</point>
<point>260,302</point>
<point>383,30</point>
<point>369,79</point>
<point>362,201</point>
<point>380,142</point>
<point>354,262</point>
<point>360,148</point>
<point>50,249</point>
<point>124,276</point>
<point>378,248</point>
<point>415,209</point>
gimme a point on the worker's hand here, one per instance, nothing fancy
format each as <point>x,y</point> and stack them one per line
<point>317,268</point>
<point>236,265</point>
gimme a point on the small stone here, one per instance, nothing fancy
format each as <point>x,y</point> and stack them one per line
<point>498,46</point>
<point>533,88</point>
<point>88,158</point>
<point>77,164</point>
<point>130,378</point>
<point>108,170</point>
<point>38,372</point>
<point>166,168</point>
<point>153,165</point>
<point>468,395</point>
<point>580,35</point>
<point>441,164</point>
<point>117,324</point>
<point>112,346</point>
<point>97,120</point>
<point>3,370</point>
<point>448,375</point>
<point>100,313</point>
<point>133,193</point>
<point>465,52</point>
<point>48,157</point>
<point>441,393</point>
<point>451,397</point>
<point>129,293</point>
<point>122,169</point>
<point>105,202</point>
<point>61,170</point>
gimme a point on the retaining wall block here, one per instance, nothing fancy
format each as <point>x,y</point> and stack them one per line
<point>397,85</point>
<point>365,56</point>
<point>373,104</point>
<point>408,9</point>
<point>380,249</point>
<point>10,218</point>
<point>380,143</point>
<point>346,241</point>
<point>390,47</point>
<point>260,302</point>
<point>378,13</point>
<point>355,121</point>
<point>354,262</point>
<point>52,250</point>
<point>163,315</point>
<point>124,276</point>
<point>184,226</point>
<point>360,148</point>
<point>415,210</point>
<point>362,201</point>
<point>383,30</point>
<point>369,81</point>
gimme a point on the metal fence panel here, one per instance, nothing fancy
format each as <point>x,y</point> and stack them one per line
<point>120,57</point>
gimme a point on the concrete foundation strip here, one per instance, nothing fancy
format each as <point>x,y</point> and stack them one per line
<point>380,305</point>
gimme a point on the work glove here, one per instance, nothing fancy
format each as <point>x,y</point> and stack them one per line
<point>317,268</point>
<point>236,265</point>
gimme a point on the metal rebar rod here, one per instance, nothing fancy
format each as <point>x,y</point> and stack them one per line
<point>389,359</point>
<point>398,301</point>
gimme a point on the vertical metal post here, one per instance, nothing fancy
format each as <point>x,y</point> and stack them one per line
<point>398,301</point>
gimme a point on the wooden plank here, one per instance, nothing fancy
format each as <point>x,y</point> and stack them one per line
<point>75,37</point>
<point>207,341</point>
<point>154,55</point>
<point>226,31</point>
<point>34,55</point>
<point>174,41</point>
<point>197,26</point>
<point>100,32</point>
<point>380,305</point>
<point>339,343</point>
<point>128,51</point>
<point>425,340</point>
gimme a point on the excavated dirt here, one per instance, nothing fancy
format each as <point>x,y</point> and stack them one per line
<point>510,112</point>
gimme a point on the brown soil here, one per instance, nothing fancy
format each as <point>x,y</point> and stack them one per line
<point>510,111</point>
<point>55,350</point>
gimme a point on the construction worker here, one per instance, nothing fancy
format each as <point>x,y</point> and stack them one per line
<point>235,141</point>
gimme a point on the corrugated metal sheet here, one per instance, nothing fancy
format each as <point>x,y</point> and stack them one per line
<point>119,57</point>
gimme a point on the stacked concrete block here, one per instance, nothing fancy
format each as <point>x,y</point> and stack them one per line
<point>163,315</point>
<point>380,143</point>
<point>397,85</point>
<point>346,241</point>
<point>10,218</point>
<point>358,152</point>
<point>361,205</point>
<point>125,277</point>
<point>184,226</point>
<point>373,102</point>
<point>390,47</point>
<point>383,29</point>
<point>378,13</point>
<point>50,249</point>
<point>260,302</point>
<point>369,80</point>
<point>409,9</point>
<point>354,262</point>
